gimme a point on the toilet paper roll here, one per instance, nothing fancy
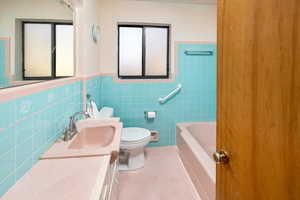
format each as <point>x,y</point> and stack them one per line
<point>151,115</point>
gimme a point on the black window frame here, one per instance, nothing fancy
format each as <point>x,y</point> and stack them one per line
<point>53,52</point>
<point>144,76</point>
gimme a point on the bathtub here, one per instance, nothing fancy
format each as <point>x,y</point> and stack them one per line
<point>196,143</point>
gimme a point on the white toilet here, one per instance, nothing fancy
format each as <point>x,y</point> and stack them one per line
<point>133,141</point>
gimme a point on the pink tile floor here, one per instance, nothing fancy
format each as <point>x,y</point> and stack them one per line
<point>163,178</point>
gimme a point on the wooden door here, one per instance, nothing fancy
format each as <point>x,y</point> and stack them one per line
<point>259,99</point>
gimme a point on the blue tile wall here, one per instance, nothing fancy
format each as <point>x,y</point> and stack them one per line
<point>196,101</point>
<point>29,126</point>
<point>93,88</point>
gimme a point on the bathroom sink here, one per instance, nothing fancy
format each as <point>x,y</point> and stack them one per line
<point>93,137</point>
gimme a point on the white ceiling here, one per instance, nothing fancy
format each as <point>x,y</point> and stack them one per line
<point>185,1</point>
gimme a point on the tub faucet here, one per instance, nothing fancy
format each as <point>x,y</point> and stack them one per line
<point>72,130</point>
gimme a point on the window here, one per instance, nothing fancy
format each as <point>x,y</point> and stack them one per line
<point>143,52</point>
<point>47,50</point>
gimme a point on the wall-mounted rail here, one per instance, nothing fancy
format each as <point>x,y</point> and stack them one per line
<point>163,100</point>
<point>199,53</point>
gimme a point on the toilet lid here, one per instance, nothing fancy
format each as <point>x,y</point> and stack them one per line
<point>134,134</point>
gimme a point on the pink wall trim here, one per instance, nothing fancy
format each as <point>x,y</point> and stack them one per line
<point>20,83</point>
<point>7,94</point>
<point>85,78</point>
<point>25,90</point>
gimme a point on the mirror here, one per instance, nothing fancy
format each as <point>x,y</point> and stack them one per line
<point>36,41</point>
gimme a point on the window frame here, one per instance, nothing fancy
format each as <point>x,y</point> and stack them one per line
<point>53,47</point>
<point>144,76</point>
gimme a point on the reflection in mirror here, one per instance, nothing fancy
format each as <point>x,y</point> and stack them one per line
<point>36,41</point>
<point>37,50</point>
<point>130,54</point>
<point>64,50</point>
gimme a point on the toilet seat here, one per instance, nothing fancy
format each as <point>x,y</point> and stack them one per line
<point>125,143</point>
<point>134,135</point>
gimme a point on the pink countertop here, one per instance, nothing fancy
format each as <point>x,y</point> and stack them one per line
<point>62,179</point>
<point>65,173</point>
<point>60,149</point>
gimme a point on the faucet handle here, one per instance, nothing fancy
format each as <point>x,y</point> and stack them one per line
<point>66,134</point>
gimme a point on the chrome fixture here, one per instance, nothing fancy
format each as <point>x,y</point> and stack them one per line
<point>88,97</point>
<point>221,157</point>
<point>199,53</point>
<point>72,130</point>
<point>162,100</point>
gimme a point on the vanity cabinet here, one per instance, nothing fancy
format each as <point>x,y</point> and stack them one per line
<point>110,187</point>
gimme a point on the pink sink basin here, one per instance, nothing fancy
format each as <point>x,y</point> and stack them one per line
<point>93,137</point>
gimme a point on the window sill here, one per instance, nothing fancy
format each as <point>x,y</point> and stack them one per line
<point>163,80</point>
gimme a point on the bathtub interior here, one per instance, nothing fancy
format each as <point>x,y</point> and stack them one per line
<point>205,134</point>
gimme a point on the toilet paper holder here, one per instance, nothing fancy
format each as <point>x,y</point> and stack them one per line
<point>150,114</point>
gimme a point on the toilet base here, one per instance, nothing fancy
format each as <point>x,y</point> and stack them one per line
<point>134,159</point>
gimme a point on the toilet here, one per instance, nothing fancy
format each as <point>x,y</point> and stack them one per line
<point>133,140</point>
<point>133,143</point>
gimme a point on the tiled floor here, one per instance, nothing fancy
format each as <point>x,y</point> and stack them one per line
<point>162,178</point>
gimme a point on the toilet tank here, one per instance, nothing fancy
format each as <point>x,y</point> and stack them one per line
<point>106,112</point>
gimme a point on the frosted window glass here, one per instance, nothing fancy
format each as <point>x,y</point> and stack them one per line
<point>130,51</point>
<point>64,50</point>
<point>37,46</point>
<point>156,51</point>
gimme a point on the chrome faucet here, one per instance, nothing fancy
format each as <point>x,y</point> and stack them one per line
<point>72,130</point>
